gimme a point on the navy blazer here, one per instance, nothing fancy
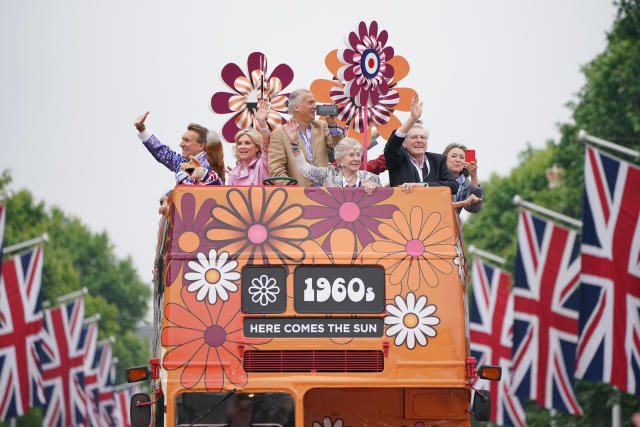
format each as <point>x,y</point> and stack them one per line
<point>401,168</point>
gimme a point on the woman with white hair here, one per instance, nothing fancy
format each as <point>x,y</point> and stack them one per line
<point>348,155</point>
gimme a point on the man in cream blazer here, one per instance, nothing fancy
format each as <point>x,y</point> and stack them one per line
<point>316,138</point>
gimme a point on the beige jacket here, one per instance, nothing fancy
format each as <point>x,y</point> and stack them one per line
<point>281,161</point>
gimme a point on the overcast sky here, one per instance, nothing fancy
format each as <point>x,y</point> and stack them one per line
<point>494,75</point>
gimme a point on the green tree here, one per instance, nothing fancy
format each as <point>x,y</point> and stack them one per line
<point>75,257</point>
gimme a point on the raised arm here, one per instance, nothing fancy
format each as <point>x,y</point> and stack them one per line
<point>162,153</point>
<point>313,173</point>
<point>261,115</point>
<point>414,116</point>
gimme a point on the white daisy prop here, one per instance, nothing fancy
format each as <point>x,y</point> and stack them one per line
<point>263,290</point>
<point>459,259</point>
<point>327,422</point>
<point>411,320</point>
<point>211,277</point>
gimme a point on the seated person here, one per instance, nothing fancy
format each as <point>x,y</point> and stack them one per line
<point>408,161</point>
<point>469,195</point>
<point>348,153</point>
<point>240,410</point>
<point>192,145</point>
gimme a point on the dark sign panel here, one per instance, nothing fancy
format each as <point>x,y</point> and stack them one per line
<point>264,289</point>
<point>313,327</point>
<point>339,289</point>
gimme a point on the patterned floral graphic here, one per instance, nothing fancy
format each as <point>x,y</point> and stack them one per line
<point>212,277</point>
<point>411,320</point>
<point>365,78</point>
<point>186,238</point>
<point>416,251</point>
<point>327,422</point>
<point>347,208</point>
<point>459,260</point>
<point>263,290</point>
<point>203,341</point>
<point>260,226</point>
<point>249,90</point>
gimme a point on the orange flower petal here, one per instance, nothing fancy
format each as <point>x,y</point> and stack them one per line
<point>195,368</point>
<point>387,128</point>
<point>413,278</point>
<point>172,335</point>
<point>400,68</point>
<point>213,376</point>
<point>332,62</point>
<point>235,247</point>
<point>289,215</point>
<point>256,203</point>
<point>386,246</point>
<point>226,216</point>
<point>440,236</point>
<point>444,266</point>
<point>222,234</point>
<point>321,89</point>
<point>415,221</point>
<point>441,251</point>
<point>178,356</point>
<point>400,271</point>
<point>429,275</point>
<point>402,225</point>
<point>282,247</point>
<point>296,232</point>
<point>274,204</point>
<point>393,234</point>
<point>429,226</point>
<point>232,365</point>
<point>180,316</point>
<point>343,244</point>
<point>314,253</point>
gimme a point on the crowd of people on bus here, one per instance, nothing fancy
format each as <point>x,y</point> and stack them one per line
<point>300,149</point>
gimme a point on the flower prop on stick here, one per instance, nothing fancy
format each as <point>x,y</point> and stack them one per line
<point>364,85</point>
<point>248,90</point>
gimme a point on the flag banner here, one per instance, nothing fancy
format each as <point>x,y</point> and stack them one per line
<point>491,334</point>
<point>609,344</point>
<point>63,348</point>
<point>123,400</point>
<point>545,327</point>
<point>2,221</point>
<point>20,329</point>
<point>91,374</point>
<point>103,394</point>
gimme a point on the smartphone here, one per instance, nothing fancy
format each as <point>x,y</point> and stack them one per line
<point>327,110</point>
<point>470,156</point>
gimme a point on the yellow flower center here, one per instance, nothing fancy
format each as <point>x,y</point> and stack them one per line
<point>189,241</point>
<point>212,275</point>
<point>410,320</point>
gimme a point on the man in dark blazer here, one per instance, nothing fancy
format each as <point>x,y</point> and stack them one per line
<point>407,159</point>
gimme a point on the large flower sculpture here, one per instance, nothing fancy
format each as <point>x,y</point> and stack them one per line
<point>202,340</point>
<point>186,238</point>
<point>259,225</point>
<point>364,79</point>
<point>248,89</point>
<point>347,208</point>
<point>416,251</point>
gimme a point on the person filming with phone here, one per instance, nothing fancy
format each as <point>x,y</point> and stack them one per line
<point>462,164</point>
<point>315,137</point>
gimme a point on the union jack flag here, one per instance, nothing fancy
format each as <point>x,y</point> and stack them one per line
<point>545,328</point>
<point>609,344</point>
<point>123,400</point>
<point>492,336</point>
<point>62,354</point>
<point>90,373</point>
<point>102,389</point>
<point>20,328</point>
<point>1,234</point>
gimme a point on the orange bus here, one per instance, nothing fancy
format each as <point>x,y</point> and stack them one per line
<point>290,306</point>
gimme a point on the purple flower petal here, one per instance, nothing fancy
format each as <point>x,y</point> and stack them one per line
<point>378,211</point>
<point>375,96</point>
<point>353,40</point>
<point>230,129</point>
<point>347,56</point>
<point>204,215</point>
<point>321,196</point>
<point>383,37</point>
<point>256,61</point>
<point>188,203</point>
<point>285,74</point>
<point>220,102</point>
<point>363,234</point>
<point>338,194</point>
<point>373,29</point>
<point>364,97</point>
<point>230,73</point>
<point>362,30</point>
<point>321,227</point>
<point>388,53</point>
<point>315,212</point>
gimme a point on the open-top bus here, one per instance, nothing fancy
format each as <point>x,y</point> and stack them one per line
<point>290,306</point>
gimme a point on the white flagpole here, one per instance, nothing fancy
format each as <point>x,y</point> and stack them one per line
<point>32,242</point>
<point>93,319</point>
<point>518,201</point>
<point>109,340</point>
<point>475,251</point>
<point>616,410</point>
<point>584,136</point>
<point>67,297</point>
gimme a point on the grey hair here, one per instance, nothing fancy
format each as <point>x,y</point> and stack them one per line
<point>419,126</point>
<point>345,145</point>
<point>294,99</point>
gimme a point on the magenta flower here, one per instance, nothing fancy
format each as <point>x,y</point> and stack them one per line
<point>350,112</point>
<point>347,208</point>
<point>367,73</point>
<point>249,90</point>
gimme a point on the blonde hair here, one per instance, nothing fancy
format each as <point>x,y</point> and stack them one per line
<point>255,137</point>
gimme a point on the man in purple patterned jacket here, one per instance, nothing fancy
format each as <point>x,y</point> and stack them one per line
<point>192,145</point>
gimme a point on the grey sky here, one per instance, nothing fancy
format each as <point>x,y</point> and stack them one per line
<point>493,75</point>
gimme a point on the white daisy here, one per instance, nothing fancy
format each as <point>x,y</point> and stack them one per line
<point>212,278</point>
<point>459,259</point>
<point>327,422</point>
<point>263,290</point>
<point>411,320</point>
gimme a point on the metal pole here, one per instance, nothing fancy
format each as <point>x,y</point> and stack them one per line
<point>517,200</point>
<point>583,135</point>
<point>32,242</point>
<point>92,319</point>
<point>108,340</point>
<point>475,251</point>
<point>64,298</point>
<point>616,410</point>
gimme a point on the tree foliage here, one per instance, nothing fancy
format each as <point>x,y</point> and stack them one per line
<point>75,257</point>
<point>608,106</point>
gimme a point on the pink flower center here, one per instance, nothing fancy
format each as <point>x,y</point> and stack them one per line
<point>415,247</point>
<point>215,336</point>
<point>257,234</point>
<point>349,211</point>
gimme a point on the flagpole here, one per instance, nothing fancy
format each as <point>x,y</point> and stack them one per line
<point>518,201</point>
<point>32,242</point>
<point>109,340</point>
<point>583,135</point>
<point>93,319</point>
<point>64,298</point>
<point>616,410</point>
<point>475,251</point>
